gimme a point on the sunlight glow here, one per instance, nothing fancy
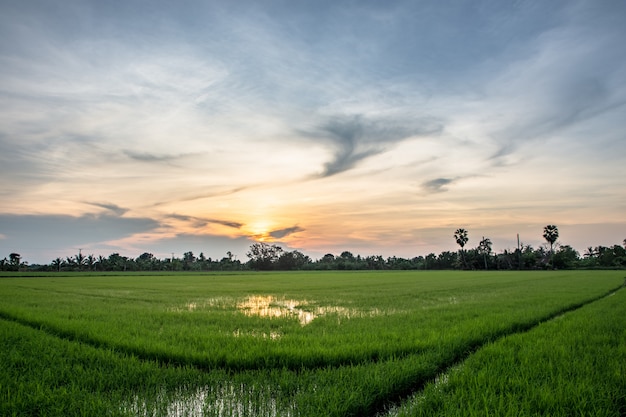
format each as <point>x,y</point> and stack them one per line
<point>260,230</point>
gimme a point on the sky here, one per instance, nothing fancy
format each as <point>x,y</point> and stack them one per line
<point>320,126</point>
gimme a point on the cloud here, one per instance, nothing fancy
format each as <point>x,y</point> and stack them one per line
<point>357,137</point>
<point>151,157</point>
<point>438,185</point>
<point>113,208</point>
<point>202,221</point>
<point>98,91</point>
<point>39,237</point>
<point>203,196</point>
<point>565,78</point>
<point>281,233</point>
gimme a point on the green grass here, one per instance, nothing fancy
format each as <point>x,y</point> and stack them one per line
<point>574,365</point>
<point>44,375</point>
<point>381,335</point>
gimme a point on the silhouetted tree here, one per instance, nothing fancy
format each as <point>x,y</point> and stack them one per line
<point>566,257</point>
<point>430,260</point>
<point>57,263</point>
<point>116,262</point>
<point>484,247</point>
<point>292,260</point>
<point>15,261</point>
<point>551,234</point>
<point>460,235</point>
<point>263,255</point>
<point>79,259</point>
<point>188,260</point>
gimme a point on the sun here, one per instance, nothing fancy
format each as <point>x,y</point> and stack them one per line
<point>260,230</point>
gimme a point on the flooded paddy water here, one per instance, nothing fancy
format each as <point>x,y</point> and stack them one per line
<point>302,310</point>
<point>230,399</point>
<point>227,400</point>
<point>270,306</point>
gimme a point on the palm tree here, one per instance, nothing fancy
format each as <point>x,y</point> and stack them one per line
<point>15,260</point>
<point>460,235</point>
<point>57,263</point>
<point>551,234</point>
<point>101,262</point>
<point>70,262</point>
<point>590,253</point>
<point>79,259</point>
<point>90,262</point>
<point>484,247</point>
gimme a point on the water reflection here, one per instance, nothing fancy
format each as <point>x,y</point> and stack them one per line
<point>305,311</point>
<point>268,306</point>
<point>254,333</point>
<point>226,400</point>
<point>219,303</point>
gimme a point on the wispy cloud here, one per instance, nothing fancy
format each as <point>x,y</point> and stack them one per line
<point>228,114</point>
<point>281,233</point>
<point>437,185</point>
<point>202,221</point>
<point>559,81</point>
<point>110,207</point>
<point>357,137</point>
<point>151,157</point>
<point>221,192</point>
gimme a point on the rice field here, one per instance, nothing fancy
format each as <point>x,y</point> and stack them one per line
<point>312,343</point>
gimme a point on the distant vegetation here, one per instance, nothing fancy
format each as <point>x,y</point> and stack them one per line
<point>267,257</point>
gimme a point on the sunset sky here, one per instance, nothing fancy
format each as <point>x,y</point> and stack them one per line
<point>322,126</point>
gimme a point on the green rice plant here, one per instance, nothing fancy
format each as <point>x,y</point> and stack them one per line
<point>385,315</point>
<point>374,337</point>
<point>44,375</point>
<point>573,365</point>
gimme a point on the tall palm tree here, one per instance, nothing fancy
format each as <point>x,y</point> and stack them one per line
<point>551,234</point>
<point>484,247</point>
<point>79,259</point>
<point>460,235</point>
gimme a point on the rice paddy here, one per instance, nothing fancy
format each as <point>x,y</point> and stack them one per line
<point>311,344</point>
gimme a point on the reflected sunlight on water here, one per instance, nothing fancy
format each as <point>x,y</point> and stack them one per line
<point>269,306</point>
<point>305,311</point>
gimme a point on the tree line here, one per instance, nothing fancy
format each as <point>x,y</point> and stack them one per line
<point>267,257</point>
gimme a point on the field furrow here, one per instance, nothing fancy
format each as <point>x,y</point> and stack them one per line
<point>333,344</point>
<point>574,364</point>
